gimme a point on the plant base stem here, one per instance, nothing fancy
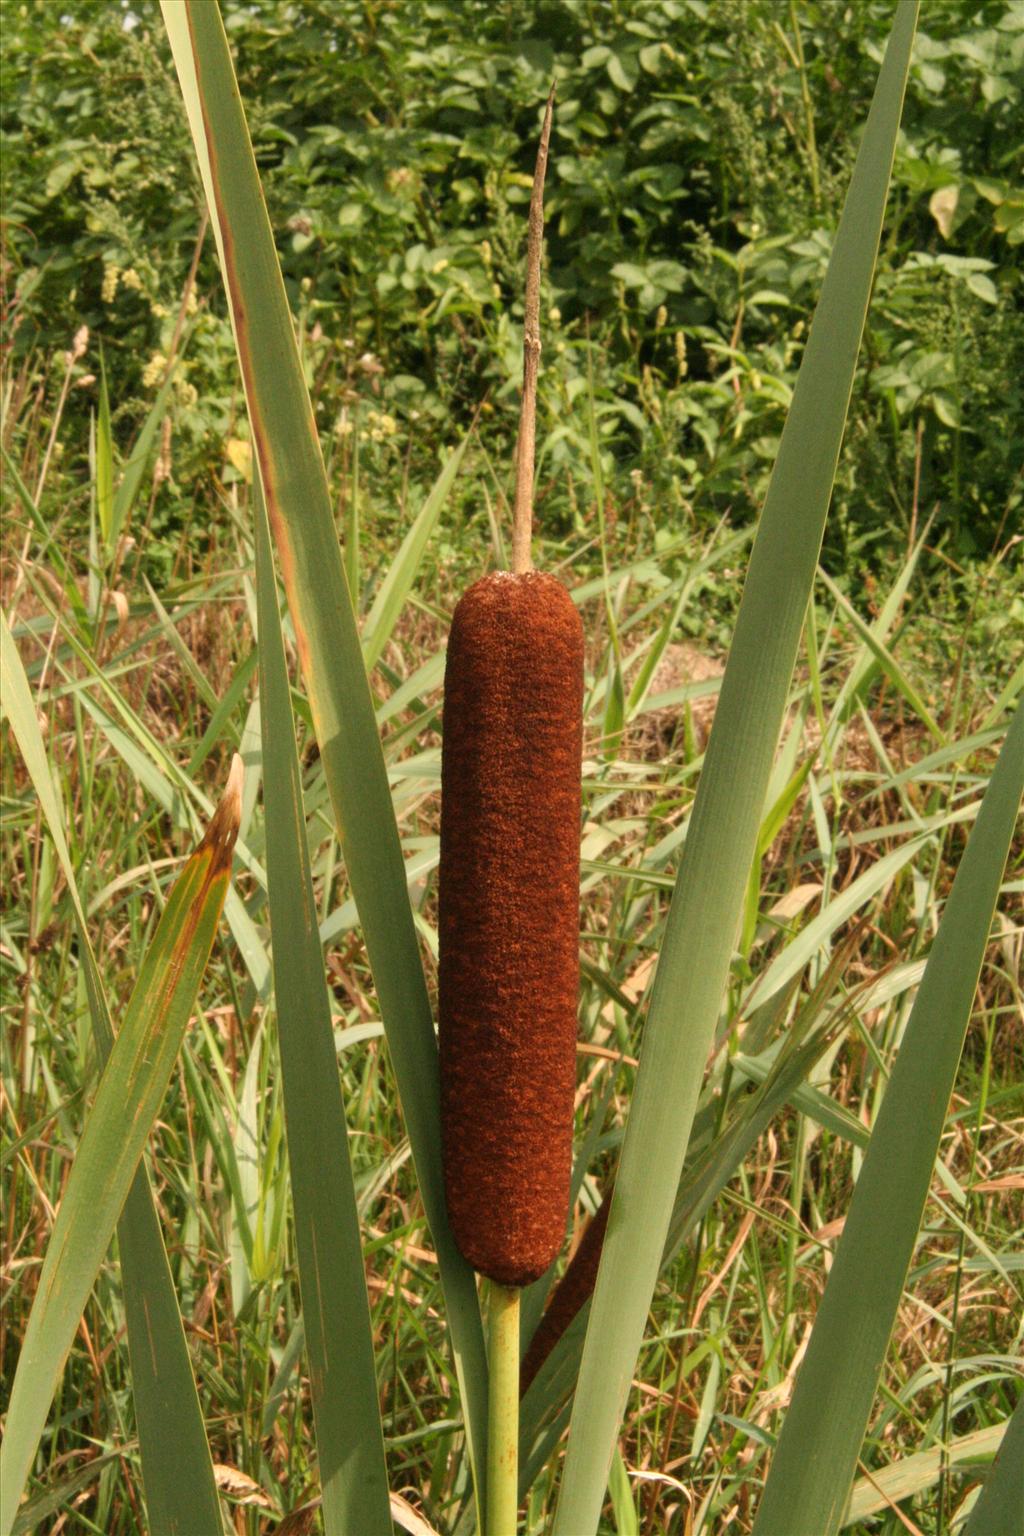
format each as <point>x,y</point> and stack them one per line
<point>503,1412</point>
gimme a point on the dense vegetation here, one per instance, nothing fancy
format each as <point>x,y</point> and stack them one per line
<point>699,160</point>
<point>701,153</point>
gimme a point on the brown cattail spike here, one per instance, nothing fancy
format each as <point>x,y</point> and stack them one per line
<point>573,1290</point>
<point>509,919</point>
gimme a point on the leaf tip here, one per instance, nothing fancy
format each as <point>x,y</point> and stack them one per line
<point>226,819</point>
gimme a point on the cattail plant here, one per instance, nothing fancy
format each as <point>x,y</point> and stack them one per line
<point>509,905</point>
<point>497,1200</point>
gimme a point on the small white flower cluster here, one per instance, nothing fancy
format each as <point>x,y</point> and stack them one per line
<point>380,425</point>
<point>154,370</point>
<point>111,278</point>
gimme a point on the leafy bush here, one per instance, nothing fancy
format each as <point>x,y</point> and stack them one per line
<point>698,161</point>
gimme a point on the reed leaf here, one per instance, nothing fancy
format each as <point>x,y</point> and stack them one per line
<point>336,1314</point>
<point>876,1493</point>
<point>708,900</point>
<point>397,584</point>
<point>291,470</point>
<point>181,1495</point>
<point>999,1510</point>
<point>816,1457</point>
<point>135,1077</point>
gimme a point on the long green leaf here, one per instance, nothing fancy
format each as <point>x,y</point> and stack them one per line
<point>177,1470</point>
<point>332,1279</point>
<point>704,1178</point>
<point>395,588</point>
<point>50,546</point>
<point>883,657</point>
<point>127,1102</point>
<point>1000,1507</point>
<point>294,484</point>
<point>131,479</point>
<point>792,959</point>
<point>57,1498</point>
<point>181,1494</point>
<point>722,839</point>
<point>821,1436</point>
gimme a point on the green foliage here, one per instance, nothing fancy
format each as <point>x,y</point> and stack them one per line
<point>701,155</point>
<point>698,161</point>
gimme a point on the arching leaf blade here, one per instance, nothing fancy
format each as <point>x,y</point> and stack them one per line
<point>291,471</point>
<point>127,1101</point>
<point>332,1279</point>
<point>816,1457</point>
<point>708,900</point>
<point>999,1510</point>
<point>181,1494</point>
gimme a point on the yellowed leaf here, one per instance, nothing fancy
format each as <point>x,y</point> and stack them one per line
<point>239,452</point>
<point>409,1519</point>
<point>942,207</point>
<point>238,1485</point>
<point>794,901</point>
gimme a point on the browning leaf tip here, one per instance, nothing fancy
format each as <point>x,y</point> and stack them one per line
<point>226,819</point>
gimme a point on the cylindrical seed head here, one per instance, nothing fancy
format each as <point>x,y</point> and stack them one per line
<point>509,919</point>
<point>574,1288</point>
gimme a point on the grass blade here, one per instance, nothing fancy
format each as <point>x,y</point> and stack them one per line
<point>336,1313</point>
<point>135,1079</point>
<point>884,659</point>
<point>177,1471</point>
<point>57,1499</point>
<point>127,492</point>
<point>181,1495</point>
<point>821,1437</point>
<point>50,545</point>
<point>863,671</point>
<point>912,1475</point>
<point>395,588</point>
<point>299,508</point>
<point>708,900</point>
<point>105,465</point>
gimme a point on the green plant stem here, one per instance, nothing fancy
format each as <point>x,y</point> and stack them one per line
<point>805,93</point>
<point>503,1411</point>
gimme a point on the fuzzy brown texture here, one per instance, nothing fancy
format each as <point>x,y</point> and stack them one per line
<point>509,919</point>
<point>574,1288</point>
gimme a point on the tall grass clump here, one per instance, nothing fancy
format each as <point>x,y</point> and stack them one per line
<point>718,1018</point>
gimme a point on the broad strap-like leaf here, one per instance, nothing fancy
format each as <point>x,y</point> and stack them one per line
<point>290,465</point>
<point>336,1313</point>
<point>181,1494</point>
<point>127,1101</point>
<point>999,1510</point>
<point>816,1456</point>
<point>722,839</point>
